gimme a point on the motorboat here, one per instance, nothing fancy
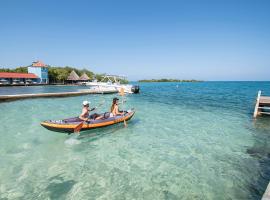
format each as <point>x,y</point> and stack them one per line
<point>112,82</point>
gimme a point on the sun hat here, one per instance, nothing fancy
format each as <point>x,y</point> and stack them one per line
<point>86,103</point>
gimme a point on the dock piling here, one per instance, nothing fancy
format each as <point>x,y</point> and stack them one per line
<point>257,104</point>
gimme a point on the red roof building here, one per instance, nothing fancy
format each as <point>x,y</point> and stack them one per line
<point>17,75</point>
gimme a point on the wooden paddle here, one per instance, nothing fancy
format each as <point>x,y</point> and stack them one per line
<point>80,125</point>
<point>122,93</point>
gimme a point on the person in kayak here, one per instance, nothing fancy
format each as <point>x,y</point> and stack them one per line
<point>85,115</point>
<point>115,109</point>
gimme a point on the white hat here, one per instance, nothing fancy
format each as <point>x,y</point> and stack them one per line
<point>86,103</point>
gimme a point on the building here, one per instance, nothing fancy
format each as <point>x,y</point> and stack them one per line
<point>73,77</point>
<point>40,70</point>
<point>84,78</point>
<point>11,78</point>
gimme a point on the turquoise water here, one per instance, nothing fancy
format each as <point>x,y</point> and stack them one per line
<point>195,141</point>
<point>38,89</point>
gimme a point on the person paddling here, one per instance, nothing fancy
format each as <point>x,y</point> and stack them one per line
<point>114,108</point>
<point>85,115</point>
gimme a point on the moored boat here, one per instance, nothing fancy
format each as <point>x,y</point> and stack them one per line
<point>69,125</point>
<point>112,82</point>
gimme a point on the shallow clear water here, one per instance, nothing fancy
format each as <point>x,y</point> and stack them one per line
<point>195,141</point>
<point>9,90</point>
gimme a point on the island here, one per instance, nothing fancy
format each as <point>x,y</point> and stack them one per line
<point>167,80</point>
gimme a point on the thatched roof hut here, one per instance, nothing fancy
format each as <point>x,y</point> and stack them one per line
<point>84,77</point>
<point>73,76</point>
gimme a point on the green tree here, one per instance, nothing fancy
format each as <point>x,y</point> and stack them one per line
<point>21,70</point>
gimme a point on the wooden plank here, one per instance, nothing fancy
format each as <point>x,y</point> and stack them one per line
<point>266,195</point>
<point>265,108</point>
<point>265,100</point>
<point>265,113</point>
<point>257,104</point>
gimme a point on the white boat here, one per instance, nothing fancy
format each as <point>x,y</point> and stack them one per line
<point>111,82</point>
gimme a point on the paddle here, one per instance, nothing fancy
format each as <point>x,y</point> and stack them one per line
<point>80,125</point>
<point>122,93</point>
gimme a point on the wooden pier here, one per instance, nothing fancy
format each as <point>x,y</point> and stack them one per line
<point>262,106</point>
<point>266,195</point>
<point>4,98</point>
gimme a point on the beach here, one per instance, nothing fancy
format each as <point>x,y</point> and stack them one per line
<point>186,141</point>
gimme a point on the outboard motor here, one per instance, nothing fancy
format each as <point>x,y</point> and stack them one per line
<point>135,89</point>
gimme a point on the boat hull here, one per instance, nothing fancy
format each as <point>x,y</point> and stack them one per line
<point>130,89</point>
<point>68,125</point>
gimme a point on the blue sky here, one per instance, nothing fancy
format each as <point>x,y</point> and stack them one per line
<point>185,39</point>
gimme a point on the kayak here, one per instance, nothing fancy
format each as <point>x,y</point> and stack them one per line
<point>68,125</point>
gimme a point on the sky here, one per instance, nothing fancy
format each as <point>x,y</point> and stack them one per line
<point>141,39</point>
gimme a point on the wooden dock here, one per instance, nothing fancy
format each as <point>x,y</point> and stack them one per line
<point>4,98</point>
<point>262,106</point>
<point>266,195</point>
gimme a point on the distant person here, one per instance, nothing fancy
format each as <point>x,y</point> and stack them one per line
<point>114,108</point>
<point>85,115</point>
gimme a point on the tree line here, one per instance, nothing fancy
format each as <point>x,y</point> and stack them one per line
<point>60,74</point>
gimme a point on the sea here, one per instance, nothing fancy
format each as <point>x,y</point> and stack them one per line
<point>186,141</point>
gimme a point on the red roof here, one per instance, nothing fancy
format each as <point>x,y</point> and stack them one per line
<point>38,64</point>
<point>16,75</point>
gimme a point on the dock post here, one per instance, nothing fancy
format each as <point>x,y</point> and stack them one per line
<point>257,104</point>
